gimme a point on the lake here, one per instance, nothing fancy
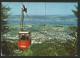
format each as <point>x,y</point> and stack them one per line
<point>41,19</point>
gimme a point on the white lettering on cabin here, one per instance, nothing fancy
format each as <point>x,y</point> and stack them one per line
<point>23,46</point>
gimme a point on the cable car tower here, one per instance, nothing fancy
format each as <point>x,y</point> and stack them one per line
<point>24,36</point>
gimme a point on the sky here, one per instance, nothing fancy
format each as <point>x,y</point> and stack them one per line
<point>42,8</point>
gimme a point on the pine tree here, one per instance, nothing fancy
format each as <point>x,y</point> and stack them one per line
<point>4,29</point>
<point>75,11</point>
<point>4,16</point>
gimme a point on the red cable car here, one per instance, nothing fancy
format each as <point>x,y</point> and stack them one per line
<point>24,40</point>
<point>24,37</point>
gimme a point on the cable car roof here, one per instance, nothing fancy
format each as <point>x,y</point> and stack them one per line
<point>23,32</point>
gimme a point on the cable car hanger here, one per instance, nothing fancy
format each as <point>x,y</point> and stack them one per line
<point>24,9</point>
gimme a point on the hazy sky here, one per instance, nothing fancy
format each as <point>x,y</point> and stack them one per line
<point>38,8</point>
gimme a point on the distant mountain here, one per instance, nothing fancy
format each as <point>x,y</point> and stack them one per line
<point>42,19</point>
<point>42,16</point>
<point>28,16</point>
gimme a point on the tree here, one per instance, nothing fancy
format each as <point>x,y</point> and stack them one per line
<point>4,29</point>
<point>4,16</point>
<point>75,11</point>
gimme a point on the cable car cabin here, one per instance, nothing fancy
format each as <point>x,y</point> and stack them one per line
<point>24,40</point>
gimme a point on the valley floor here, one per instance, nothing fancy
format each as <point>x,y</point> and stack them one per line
<point>41,33</point>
